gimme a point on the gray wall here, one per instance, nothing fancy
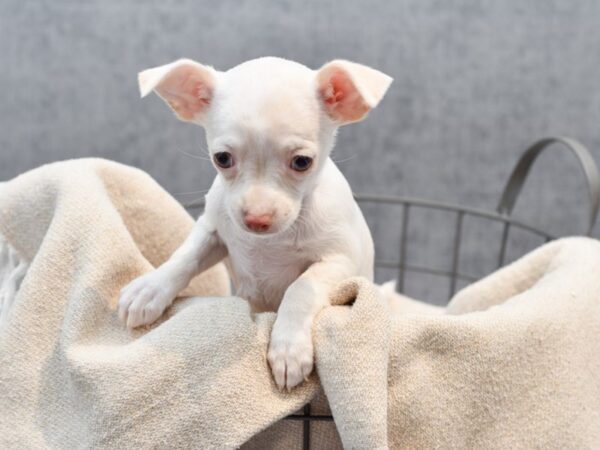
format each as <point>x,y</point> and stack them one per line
<point>475,82</point>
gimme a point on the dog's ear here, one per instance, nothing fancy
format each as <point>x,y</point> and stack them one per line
<point>186,86</point>
<point>349,91</point>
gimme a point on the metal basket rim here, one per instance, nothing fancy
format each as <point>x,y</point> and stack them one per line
<point>425,203</point>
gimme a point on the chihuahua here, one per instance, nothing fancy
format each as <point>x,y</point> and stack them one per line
<point>279,212</point>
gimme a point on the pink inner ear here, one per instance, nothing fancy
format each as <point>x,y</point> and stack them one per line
<point>186,92</point>
<point>342,100</point>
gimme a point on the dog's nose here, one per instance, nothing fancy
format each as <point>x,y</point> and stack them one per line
<point>260,223</point>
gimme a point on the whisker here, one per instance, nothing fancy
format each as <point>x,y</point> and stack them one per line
<point>192,155</point>
<point>337,161</point>
<point>201,191</point>
<point>187,203</point>
<point>205,149</point>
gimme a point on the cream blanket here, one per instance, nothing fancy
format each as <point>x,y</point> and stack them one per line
<point>512,362</point>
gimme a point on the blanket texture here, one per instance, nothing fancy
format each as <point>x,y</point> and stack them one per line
<point>512,362</point>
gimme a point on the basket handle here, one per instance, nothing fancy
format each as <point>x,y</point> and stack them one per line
<point>521,170</point>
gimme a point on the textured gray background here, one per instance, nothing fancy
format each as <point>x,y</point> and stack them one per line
<point>475,82</point>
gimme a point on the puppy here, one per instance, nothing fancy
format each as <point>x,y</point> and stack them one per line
<point>279,212</point>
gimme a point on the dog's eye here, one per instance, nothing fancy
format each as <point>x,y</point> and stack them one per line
<point>224,160</point>
<point>301,163</point>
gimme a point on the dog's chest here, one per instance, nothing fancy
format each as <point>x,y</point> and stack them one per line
<point>263,269</point>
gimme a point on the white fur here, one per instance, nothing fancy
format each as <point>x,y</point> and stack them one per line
<point>265,112</point>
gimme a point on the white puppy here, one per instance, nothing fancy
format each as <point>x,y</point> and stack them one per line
<point>279,212</point>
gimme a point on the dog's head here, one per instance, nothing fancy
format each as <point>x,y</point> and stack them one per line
<point>270,126</point>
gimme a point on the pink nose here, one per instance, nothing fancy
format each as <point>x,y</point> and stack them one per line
<point>258,223</point>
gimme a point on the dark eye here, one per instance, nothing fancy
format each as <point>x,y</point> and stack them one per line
<point>223,159</point>
<point>301,163</point>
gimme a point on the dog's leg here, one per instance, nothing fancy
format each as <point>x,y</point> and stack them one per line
<point>291,350</point>
<point>144,299</point>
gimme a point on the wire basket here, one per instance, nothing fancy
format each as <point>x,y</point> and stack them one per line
<point>455,277</point>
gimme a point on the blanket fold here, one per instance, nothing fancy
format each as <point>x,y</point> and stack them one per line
<point>512,362</point>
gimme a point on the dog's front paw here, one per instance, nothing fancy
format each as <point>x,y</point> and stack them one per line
<point>290,356</point>
<point>144,299</point>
